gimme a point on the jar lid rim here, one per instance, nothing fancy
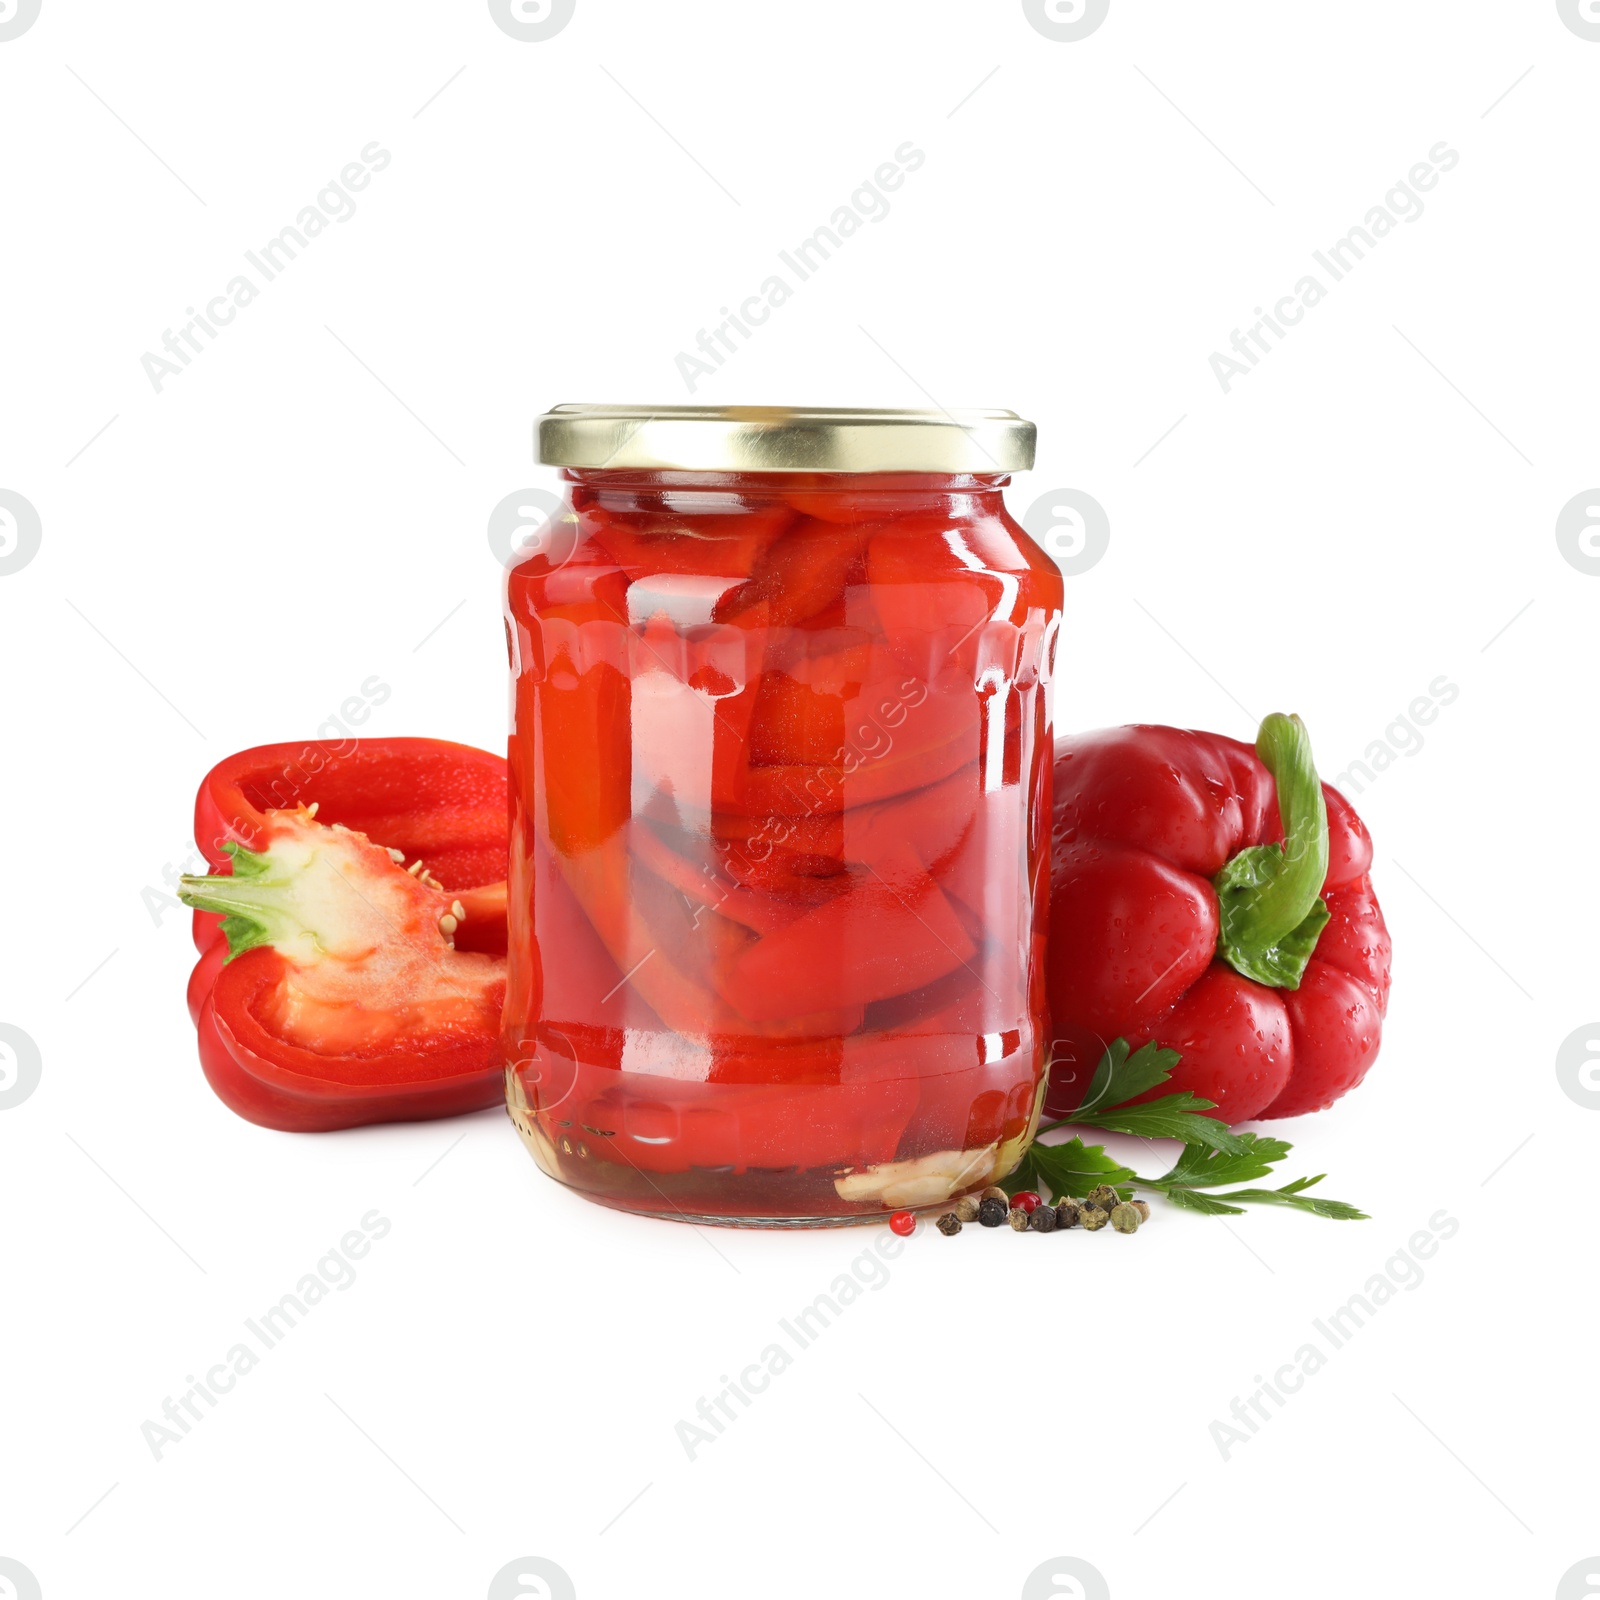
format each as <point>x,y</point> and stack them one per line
<point>783,439</point>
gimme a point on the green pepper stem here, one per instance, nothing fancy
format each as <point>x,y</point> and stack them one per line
<point>257,903</point>
<point>1271,913</point>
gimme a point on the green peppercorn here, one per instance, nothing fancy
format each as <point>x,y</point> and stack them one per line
<point>1043,1220</point>
<point>1125,1218</point>
<point>967,1208</point>
<point>991,1212</point>
<point>1018,1218</point>
<point>1104,1196</point>
<point>1069,1213</point>
<point>1093,1218</point>
<point>949,1224</point>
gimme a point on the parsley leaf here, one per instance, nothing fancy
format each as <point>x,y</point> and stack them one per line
<point>1121,1077</point>
<point>1199,1168</point>
<point>1207,1204</point>
<point>1213,1154</point>
<point>1173,1116</point>
<point>1290,1195</point>
<point>1075,1168</point>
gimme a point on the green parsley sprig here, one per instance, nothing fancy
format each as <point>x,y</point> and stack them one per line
<point>1213,1155</point>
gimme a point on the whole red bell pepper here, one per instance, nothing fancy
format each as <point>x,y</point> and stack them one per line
<point>352,934</point>
<point>1215,899</point>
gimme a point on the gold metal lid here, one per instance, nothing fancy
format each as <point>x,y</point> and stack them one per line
<point>783,439</point>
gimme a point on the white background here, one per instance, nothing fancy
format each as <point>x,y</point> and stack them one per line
<point>305,507</point>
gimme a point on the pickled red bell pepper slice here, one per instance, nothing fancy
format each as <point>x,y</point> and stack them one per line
<point>893,931</point>
<point>899,733</point>
<point>669,1127</point>
<point>583,719</point>
<point>801,574</point>
<point>804,859</point>
<point>932,605</point>
<point>701,884</point>
<point>696,691</point>
<point>666,952</point>
<point>647,544</point>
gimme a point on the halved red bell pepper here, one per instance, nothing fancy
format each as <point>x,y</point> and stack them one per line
<point>1214,899</point>
<point>336,985</point>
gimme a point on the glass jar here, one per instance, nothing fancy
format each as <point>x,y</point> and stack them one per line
<point>780,772</point>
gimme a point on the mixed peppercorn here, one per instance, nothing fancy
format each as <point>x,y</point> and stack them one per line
<point>1026,1212</point>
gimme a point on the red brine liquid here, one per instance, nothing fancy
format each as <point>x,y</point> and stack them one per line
<point>780,766</point>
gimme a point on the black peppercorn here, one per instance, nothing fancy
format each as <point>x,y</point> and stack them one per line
<point>1043,1220</point>
<point>1068,1214</point>
<point>992,1212</point>
<point>949,1224</point>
